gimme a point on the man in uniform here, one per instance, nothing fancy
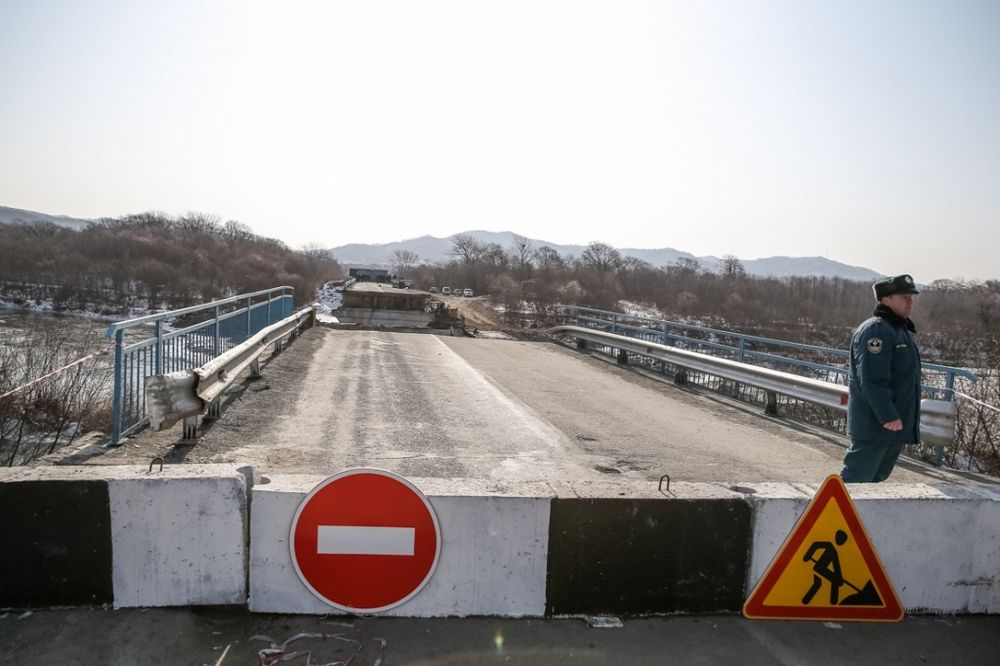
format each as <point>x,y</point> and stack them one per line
<point>883,407</point>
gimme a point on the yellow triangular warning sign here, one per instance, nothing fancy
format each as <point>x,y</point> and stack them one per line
<point>827,568</point>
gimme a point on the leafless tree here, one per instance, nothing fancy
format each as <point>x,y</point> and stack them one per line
<point>601,258</point>
<point>732,268</point>
<point>465,249</point>
<point>521,255</point>
<point>403,262</point>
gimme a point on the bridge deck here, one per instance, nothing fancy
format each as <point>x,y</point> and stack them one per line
<point>462,408</point>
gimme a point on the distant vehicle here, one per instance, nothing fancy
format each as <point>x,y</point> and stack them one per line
<point>467,292</point>
<point>433,290</point>
<point>445,290</point>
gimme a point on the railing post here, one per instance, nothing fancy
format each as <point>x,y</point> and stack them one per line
<point>249,330</point>
<point>663,335</point>
<point>218,336</point>
<point>614,323</point>
<point>268,308</point>
<point>740,349</point>
<point>158,361</point>
<point>116,399</point>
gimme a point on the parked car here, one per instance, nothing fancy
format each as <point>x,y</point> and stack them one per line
<point>467,292</point>
<point>445,290</point>
<point>433,290</point>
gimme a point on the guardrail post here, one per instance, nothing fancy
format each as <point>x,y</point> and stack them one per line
<point>249,323</point>
<point>622,357</point>
<point>255,369</point>
<point>664,334</point>
<point>680,376</point>
<point>581,344</point>
<point>771,408</point>
<point>116,396</point>
<point>740,349</point>
<point>214,409</point>
<point>614,323</point>
<point>190,429</point>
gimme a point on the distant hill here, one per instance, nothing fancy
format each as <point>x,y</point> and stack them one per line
<point>434,249</point>
<point>431,248</point>
<point>15,215</point>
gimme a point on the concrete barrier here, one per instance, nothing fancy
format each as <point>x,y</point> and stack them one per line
<point>124,535</point>
<point>939,544</point>
<point>183,536</point>
<point>629,549</point>
<point>493,554</point>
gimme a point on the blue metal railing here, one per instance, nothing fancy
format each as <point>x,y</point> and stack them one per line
<point>740,347</point>
<point>155,351</point>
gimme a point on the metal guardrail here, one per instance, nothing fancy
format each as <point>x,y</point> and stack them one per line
<point>937,425</point>
<point>189,393</point>
<point>680,335</point>
<point>231,321</point>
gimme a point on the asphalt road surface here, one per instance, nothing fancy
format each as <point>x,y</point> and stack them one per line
<point>233,637</point>
<point>438,406</point>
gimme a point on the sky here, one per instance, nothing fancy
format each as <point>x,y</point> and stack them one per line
<point>867,132</point>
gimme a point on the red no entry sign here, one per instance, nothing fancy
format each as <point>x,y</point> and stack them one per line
<point>365,540</point>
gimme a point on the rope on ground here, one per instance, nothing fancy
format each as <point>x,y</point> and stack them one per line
<point>99,352</point>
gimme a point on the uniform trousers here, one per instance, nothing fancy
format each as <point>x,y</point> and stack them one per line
<point>869,462</point>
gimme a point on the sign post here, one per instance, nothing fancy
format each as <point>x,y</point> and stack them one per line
<point>365,540</point>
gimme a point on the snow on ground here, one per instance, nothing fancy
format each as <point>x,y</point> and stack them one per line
<point>329,298</point>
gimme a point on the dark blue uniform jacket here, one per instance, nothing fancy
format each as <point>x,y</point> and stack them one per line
<point>884,380</point>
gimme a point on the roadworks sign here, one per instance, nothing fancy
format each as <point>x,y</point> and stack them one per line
<point>827,568</point>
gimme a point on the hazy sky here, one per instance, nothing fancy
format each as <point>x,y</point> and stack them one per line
<point>867,132</point>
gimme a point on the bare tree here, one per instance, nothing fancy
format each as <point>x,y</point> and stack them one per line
<point>521,255</point>
<point>403,262</point>
<point>601,257</point>
<point>732,268</point>
<point>465,248</point>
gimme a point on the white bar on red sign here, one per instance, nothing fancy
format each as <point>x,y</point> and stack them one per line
<point>364,540</point>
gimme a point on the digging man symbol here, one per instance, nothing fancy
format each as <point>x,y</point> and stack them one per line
<point>826,566</point>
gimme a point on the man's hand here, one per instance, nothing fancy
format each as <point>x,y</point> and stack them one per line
<point>894,425</point>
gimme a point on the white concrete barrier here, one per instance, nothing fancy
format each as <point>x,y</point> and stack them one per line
<point>126,535</point>
<point>179,536</point>
<point>493,554</point>
<point>939,544</point>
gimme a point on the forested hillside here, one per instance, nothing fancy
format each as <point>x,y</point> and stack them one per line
<point>150,261</point>
<point>959,322</point>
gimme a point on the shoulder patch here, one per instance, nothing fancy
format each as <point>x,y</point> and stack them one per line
<point>874,345</point>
